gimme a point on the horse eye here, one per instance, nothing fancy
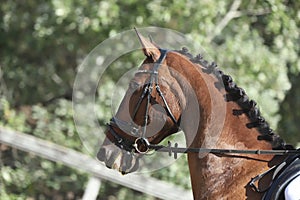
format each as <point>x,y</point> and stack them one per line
<point>134,85</point>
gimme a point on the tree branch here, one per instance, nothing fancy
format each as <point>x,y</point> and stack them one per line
<point>232,13</point>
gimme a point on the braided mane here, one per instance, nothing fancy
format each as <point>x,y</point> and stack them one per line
<point>238,95</point>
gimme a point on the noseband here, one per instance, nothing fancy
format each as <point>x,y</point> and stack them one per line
<point>141,144</point>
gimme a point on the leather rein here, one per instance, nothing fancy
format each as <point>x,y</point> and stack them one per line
<point>141,144</point>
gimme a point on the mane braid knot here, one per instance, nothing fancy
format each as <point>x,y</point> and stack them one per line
<point>238,95</point>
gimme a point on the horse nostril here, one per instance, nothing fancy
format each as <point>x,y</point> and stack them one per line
<point>101,155</point>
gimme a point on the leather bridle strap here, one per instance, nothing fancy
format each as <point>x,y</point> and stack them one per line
<point>119,141</point>
<point>175,150</point>
<point>130,127</point>
<point>167,106</point>
<point>148,88</point>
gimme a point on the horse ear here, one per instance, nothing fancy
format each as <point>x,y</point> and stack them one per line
<point>149,48</point>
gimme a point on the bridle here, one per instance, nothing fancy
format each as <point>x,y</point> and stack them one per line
<point>141,143</point>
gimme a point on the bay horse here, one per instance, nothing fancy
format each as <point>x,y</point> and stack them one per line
<point>222,110</point>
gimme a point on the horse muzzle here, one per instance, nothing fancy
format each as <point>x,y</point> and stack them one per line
<point>118,159</point>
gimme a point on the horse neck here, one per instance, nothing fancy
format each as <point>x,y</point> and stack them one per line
<point>211,175</point>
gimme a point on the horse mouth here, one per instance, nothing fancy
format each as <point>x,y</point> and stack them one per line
<point>118,159</point>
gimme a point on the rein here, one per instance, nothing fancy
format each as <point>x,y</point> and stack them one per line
<point>175,150</point>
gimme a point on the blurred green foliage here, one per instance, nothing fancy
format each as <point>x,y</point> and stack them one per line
<point>42,44</point>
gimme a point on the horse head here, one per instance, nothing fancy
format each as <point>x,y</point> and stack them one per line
<point>149,112</point>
